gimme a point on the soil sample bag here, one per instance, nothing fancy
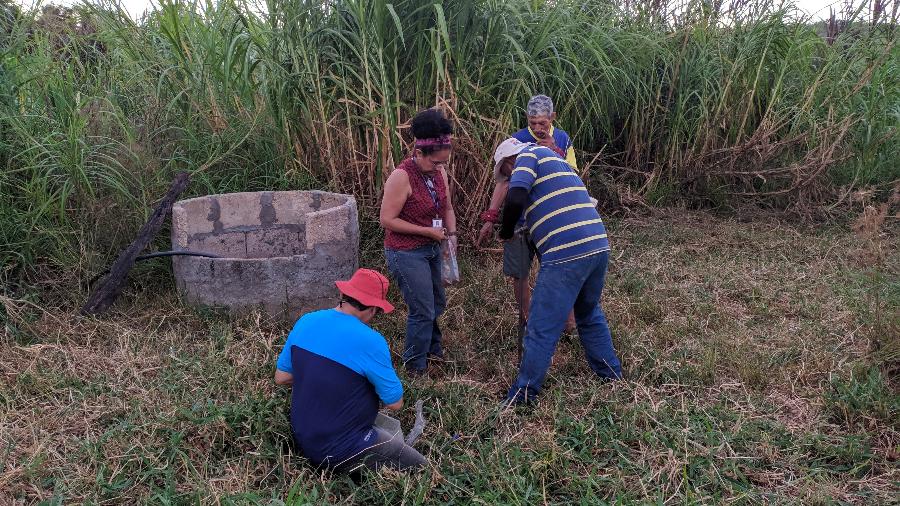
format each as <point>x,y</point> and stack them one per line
<point>449,266</point>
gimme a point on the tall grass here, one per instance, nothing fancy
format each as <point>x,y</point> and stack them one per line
<point>696,101</point>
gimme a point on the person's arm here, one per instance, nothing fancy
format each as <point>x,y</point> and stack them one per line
<point>496,201</point>
<point>283,378</point>
<point>381,374</point>
<point>516,199</point>
<point>523,177</point>
<point>499,194</point>
<point>450,213</point>
<point>396,191</point>
<point>284,371</point>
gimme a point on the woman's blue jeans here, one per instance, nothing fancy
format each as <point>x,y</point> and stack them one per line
<point>418,273</point>
<point>578,284</point>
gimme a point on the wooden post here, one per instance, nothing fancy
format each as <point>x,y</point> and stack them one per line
<point>104,296</point>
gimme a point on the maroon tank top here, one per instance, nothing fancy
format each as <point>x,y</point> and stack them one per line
<point>419,208</point>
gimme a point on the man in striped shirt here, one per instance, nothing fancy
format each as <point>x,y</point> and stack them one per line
<point>574,251</point>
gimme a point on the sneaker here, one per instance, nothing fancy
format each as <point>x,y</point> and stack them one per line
<point>416,373</point>
<point>521,398</point>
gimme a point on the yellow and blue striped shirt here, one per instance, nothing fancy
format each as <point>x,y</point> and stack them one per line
<point>563,222</point>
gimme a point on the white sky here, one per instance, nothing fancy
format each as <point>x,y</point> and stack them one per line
<point>816,8</point>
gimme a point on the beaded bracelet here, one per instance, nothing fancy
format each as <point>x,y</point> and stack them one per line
<point>490,215</point>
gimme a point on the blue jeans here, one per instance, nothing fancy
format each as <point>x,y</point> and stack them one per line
<point>578,284</point>
<point>418,273</point>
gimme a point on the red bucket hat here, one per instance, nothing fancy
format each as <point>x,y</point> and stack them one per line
<point>369,287</point>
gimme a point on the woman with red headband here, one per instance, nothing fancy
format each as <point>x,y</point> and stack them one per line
<point>417,214</point>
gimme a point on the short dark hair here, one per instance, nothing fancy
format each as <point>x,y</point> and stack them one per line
<point>430,124</point>
<point>355,303</point>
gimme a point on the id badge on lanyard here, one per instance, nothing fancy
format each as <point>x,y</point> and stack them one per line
<point>432,191</point>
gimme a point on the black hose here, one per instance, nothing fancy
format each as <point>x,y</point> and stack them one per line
<point>157,254</point>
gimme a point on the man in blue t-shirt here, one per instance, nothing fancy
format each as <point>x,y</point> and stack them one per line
<point>339,368</point>
<point>574,251</point>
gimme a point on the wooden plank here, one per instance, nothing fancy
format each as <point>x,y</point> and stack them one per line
<point>107,292</point>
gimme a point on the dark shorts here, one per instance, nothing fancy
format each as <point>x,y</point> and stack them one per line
<point>518,253</point>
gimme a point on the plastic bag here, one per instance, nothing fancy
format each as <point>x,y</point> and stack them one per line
<point>392,425</point>
<point>449,267</point>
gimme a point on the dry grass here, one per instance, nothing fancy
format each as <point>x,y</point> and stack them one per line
<point>748,350</point>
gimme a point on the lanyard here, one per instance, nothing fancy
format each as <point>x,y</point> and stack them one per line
<point>429,185</point>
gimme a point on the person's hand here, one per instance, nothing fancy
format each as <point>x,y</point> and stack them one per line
<point>438,234</point>
<point>548,142</point>
<point>486,231</point>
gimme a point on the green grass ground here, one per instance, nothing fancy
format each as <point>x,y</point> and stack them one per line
<point>760,360</point>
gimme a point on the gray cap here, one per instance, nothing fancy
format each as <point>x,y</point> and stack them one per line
<point>540,105</point>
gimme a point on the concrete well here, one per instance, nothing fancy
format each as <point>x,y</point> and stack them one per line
<point>281,251</point>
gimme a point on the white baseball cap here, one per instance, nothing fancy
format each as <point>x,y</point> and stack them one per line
<point>507,148</point>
